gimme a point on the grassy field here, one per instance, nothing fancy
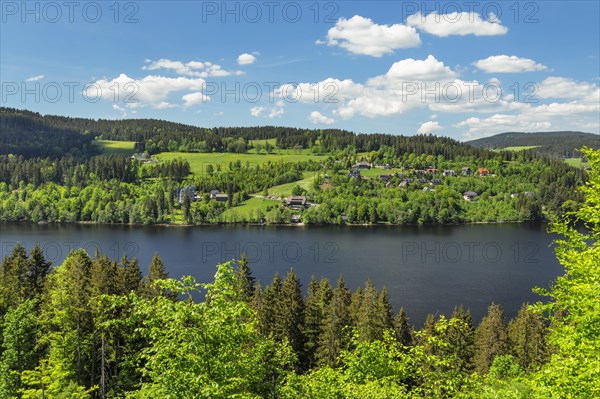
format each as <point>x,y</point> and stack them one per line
<point>116,147</point>
<point>285,190</point>
<point>375,172</point>
<point>249,207</point>
<point>577,162</point>
<point>199,161</point>
<point>517,148</point>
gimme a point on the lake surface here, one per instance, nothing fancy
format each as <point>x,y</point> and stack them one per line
<point>427,269</point>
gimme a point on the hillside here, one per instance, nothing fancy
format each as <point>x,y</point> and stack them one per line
<point>555,144</point>
<point>155,136</point>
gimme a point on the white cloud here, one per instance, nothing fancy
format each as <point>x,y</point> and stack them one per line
<point>411,70</point>
<point>361,35</point>
<point>270,113</point>
<point>246,59</point>
<point>429,127</point>
<point>151,90</point>
<point>193,68</point>
<point>508,64</point>
<point>456,23</point>
<point>560,87</point>
<point>121,110</point>
<point>319,119</point>
<point>194,98</point>
<point>35,78</point>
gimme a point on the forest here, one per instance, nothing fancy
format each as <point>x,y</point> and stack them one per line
<point>95,327</point>
<point>52,170</point>
<point>554,144</point>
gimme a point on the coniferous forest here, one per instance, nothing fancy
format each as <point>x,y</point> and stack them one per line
<point>96,327</point>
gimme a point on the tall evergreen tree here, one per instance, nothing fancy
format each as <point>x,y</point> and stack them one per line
<point>289,313</point>
<point>461,337</point>
<point>130,275</point>
<point>491,339</point>
<point>14,281</point>
<point>335,337</point>
<point>39,268</point>
<point>156,271</point>
<point>527,337</point>
<point>403,329</point>
<point>245,280</point>
<point>317,301</point>
<point>369,320</point>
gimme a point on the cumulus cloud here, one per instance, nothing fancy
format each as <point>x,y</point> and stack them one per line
<point>319,119</point>
<point>411,70</point>
<point>246,59</point>
<point>464,23</point>
<point>267,112</point>
<point>429,127</point>
<point>194,98</point>
<point>560,87</point>
<point>151,90</point>
<point>508,64</point>
<point>360,35</point>
<point>35,78</point>
<point>193,68</point>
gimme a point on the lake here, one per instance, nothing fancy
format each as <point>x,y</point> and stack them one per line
<point>427,269</point>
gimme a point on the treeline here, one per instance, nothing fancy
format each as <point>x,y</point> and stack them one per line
<point>68,171</point>
<point>156,136</point>
<point>95,327</point>
<point>563,144</point>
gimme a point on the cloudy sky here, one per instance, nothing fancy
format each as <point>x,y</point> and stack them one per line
<point>460,69</point>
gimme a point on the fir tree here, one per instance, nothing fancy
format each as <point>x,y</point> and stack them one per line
<point>402,328</point>
<point>527,338</point>
<point>461,337</point>
<point>245,280</point>
<point>39,268</point>
<point>289,313</point>
<point>317,301</point>
<point>491,339</point>
<point>334,337</point>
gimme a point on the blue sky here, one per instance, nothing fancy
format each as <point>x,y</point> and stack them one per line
<point>460,69</point>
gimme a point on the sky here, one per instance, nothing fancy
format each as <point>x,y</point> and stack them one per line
<point>460,69</point>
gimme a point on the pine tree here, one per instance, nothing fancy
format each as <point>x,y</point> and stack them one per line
<point>317,301</point>
<point>14,282</point>
<point>402,328</point>
<point>269,298</point>
<point>356,299</point>
<point>156,271</point>
<point>289,313</point>
<point>335,337</point>
<point>258,304</point>
<point>368,320</point>
<point>491,339</point>
<point>527,336</point>
<point>385,310</point>
<point>130,275</point>
<point>461,337</point>
<point>245,279</point>
<point>39,268</point>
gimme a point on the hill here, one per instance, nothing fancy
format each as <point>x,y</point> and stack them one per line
<point>555,144</point>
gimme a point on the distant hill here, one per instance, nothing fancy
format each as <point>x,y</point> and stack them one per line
<point>31,135</point>
<point>554,144</point>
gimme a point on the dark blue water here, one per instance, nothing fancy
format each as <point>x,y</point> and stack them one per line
<point>427,269</point>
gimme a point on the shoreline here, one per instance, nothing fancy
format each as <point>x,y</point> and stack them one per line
<point>350,225</point>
